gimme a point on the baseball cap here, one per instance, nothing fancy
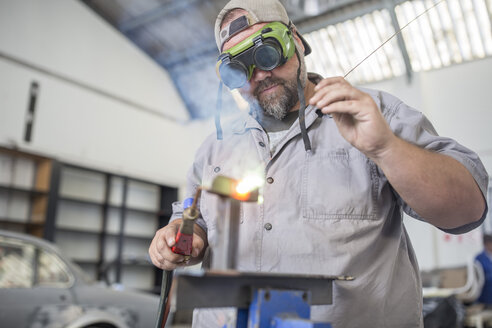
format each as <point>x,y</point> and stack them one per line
<point>259,11</point>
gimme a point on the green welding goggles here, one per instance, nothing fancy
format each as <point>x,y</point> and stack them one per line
<point>266,49</point>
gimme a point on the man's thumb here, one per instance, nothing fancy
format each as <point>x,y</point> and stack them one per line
<point>170,235</point>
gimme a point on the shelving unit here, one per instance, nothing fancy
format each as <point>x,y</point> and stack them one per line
<point>103,221</point>
<point>119,215</point>
<point>24,191</point>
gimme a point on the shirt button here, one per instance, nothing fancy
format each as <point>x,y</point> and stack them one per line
<point>268,226</point>
<point>217,169</point>
<point>262,144</point>
<point>270,180</point>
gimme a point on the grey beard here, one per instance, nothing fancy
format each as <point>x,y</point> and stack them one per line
<point>277,106</point>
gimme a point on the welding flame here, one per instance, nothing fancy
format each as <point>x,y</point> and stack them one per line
<point>248,184</point>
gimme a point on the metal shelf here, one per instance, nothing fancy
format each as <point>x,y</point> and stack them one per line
<point>77,230</point>
<point>34,192</point>
<point>6,220</point>
<point>112,206</point>
<point>115,202</point>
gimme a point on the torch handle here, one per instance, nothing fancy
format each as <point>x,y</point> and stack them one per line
<point>184,239</point>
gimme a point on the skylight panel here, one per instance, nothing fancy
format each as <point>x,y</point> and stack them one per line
<point>382,22</point>
<point>447,32</point>
<point>461,30</point>
<point>476,35</point>
<point>356,49</point>
<point>415,52</point>
<point>440,36</point>
<point>484,17</point>
<point>427,32</point>
<point>483,20</point>
<point>450,32</point>
<point>340,47</point>
<point>366,29</point>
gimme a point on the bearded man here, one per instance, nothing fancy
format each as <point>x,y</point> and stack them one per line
<point>339,173</point>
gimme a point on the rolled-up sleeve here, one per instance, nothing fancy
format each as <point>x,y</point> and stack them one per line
<point>178,214</point>
<point>412,126</point>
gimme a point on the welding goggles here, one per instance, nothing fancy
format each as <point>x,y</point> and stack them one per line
<point>266,49</point>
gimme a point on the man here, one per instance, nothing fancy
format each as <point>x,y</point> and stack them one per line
<point>334,193</point>
<point>485,260</point>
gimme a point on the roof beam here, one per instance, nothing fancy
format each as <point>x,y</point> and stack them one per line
<point>390,5</point>
<point>348,10</point>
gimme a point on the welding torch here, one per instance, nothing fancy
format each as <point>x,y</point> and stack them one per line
<point>184,237</point>
<point>183,245</point>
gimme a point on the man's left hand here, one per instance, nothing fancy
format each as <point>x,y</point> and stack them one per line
<point>356,115</point>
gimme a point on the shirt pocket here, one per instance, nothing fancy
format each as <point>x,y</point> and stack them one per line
<point>339,184</point>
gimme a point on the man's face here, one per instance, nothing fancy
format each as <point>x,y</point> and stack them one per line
<point>275,91</point>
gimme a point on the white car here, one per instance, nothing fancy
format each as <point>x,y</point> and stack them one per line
<point>41,288</point>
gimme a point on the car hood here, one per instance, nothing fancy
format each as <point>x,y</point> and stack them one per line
<point>140,308</point>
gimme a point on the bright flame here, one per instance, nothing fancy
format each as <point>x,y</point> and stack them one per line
<point>248,184</point>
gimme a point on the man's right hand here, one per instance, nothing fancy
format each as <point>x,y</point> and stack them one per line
<point>165,238</point>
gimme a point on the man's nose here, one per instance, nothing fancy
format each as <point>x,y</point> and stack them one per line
<point>260,75</point>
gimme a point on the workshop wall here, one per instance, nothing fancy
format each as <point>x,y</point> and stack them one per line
<point>457,101</point>
<point>102,102</point>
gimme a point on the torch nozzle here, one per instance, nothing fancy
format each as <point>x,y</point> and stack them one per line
<point>192,212</point>
<point>195,199</point>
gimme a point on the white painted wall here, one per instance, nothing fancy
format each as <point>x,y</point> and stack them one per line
<point>458,101</point>
<point>78,125</point>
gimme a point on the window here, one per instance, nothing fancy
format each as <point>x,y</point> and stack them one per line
<point>16,261</point>
<point>52,271</point>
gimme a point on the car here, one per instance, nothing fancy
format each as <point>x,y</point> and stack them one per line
<point>42,288</point>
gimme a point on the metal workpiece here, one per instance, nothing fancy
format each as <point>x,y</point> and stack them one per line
<point>211,289</point>
<point>224,248</point>
<point>227,187</point>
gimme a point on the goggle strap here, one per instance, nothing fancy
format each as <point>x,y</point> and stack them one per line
<point>218,108</point>
<point>302,107</point>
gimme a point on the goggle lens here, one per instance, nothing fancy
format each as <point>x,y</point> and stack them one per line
<point>233,74</point>
<point>267,57</point>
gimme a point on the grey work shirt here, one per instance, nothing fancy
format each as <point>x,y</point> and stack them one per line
<point>330,211</point>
